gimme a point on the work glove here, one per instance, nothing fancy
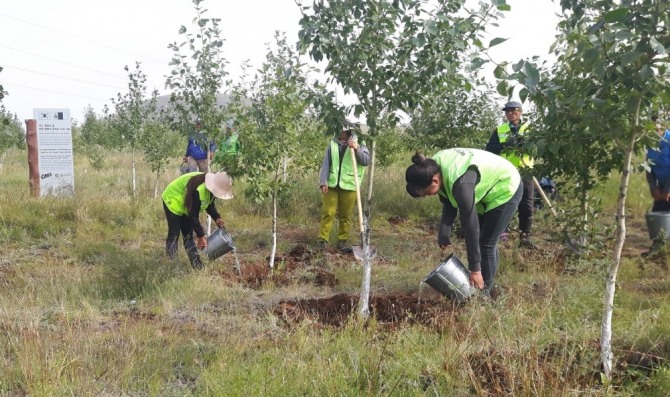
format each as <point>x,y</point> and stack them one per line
<point>514,141</point>
<point>220,223</point>
<point>201,242</point>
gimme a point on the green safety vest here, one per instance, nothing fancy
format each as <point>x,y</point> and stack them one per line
<point>174,194</point>
<point>503,133</point>
<point>499,179</point>
<point>343,174</point>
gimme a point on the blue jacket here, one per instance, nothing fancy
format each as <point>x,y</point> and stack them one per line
<point>196,146</point>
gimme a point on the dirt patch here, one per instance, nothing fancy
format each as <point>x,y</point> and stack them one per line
<point>297,265</point>
<point>390,308</point>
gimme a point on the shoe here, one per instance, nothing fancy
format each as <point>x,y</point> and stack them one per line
<point>655,250</point>
<point>323,245</point>
<point>504,237</point>
<point>342,246</point>
<point>526,243</point>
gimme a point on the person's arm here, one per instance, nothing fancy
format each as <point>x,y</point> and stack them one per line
<point>446,222</point>
<point>494,145</point>
<point>194,214</point>
<point>464,194</point>
<point>325,168</point>
<point>362,152</point>
<point>212,212</point>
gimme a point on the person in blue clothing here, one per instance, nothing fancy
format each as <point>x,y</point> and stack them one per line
<point>197,155</point>
<point>658,177</point>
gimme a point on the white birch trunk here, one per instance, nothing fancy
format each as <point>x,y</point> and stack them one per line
<point>610,283</point>
<point>274,230</point>
<point>134,173</point>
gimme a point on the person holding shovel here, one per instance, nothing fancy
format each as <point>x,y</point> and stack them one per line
<point>183,201</point>
<point>338,186</point>
<point>484,188</point>
<point>505,141</point>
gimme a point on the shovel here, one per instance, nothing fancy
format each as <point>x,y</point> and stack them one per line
<point>359,253</point>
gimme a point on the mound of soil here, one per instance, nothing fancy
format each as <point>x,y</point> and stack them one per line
<point>295,266</point>
<point>388,308</point>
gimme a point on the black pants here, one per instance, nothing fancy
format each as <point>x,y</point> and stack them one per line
<point>176,224</point>
<point>526,206</point>
<point>491,225</point>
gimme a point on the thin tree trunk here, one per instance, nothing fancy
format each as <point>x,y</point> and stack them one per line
<point>274,229</point>
<point>610,284</point>
<point>134,173</point>
<point>364,300</point>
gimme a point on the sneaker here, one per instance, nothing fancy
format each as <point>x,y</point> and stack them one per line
<point>323,245</point>
<point>343,246</point>
<point>526,243</point>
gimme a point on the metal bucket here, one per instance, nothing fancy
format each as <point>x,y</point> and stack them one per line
<point>219,243</point>
<point>451,279</point>
<point>657,223</point>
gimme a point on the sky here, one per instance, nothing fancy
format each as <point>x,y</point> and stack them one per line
<point>71,53</point>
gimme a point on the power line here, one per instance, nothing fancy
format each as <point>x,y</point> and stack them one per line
<point>62,77</point>
<point>162,62</point>
<point>53,92</point>
<point>63,62</point>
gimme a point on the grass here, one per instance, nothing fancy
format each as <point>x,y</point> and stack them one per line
<point>89,305</point>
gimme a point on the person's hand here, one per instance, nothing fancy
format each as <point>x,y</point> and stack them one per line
<point>445,246</point>
<point>660,196</point>
<point>184,159</point>
<point>201,242</point>
<point>353,143</point>
<point>476,280</point>
<point>211,155</point>
<point>324,189</point>
<point>219,222</point>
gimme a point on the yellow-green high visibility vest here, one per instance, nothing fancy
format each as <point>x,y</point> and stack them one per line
<point>343,174</point>
<point>498,178</point>
<point>503,133</point>
<point>174,194</point>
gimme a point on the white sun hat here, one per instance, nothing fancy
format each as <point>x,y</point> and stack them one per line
<point>220,185</point>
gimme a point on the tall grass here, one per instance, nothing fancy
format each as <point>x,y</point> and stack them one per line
<point>89,305</point>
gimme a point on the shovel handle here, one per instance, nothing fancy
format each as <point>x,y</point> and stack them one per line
<point>544,197</point>
<point>358,190</point>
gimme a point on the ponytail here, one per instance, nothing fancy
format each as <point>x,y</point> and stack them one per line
<point>420,174</point>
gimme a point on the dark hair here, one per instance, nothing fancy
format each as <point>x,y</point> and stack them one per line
<point>420,174</point>
<point>191,186</point>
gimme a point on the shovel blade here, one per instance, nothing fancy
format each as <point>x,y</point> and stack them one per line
<point>360,254</point>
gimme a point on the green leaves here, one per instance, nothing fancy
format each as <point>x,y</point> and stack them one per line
<point>496,41</point>
<point>656,46</point>
<point>616,15</point>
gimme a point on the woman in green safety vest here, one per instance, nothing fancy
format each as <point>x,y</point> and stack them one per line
<point>338,187</point>
<point>484,187</point>
<point>183,201</point>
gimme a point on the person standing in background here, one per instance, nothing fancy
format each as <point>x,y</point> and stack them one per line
<point>658,179</point>
<point>505,141</point>
<point>338,187</point>
<point>197,149</point>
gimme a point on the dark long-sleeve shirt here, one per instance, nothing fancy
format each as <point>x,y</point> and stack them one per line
<point>194,213</point>
<point>464,194</point>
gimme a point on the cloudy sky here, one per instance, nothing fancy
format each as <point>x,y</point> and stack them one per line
<point>71,53</point>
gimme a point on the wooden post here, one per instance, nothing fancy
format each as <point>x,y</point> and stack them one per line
<point>33,158</point>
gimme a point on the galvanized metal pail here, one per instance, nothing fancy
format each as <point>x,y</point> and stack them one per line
<point>451,279</point>
<point>657,223</point>
<point>219,243</point>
